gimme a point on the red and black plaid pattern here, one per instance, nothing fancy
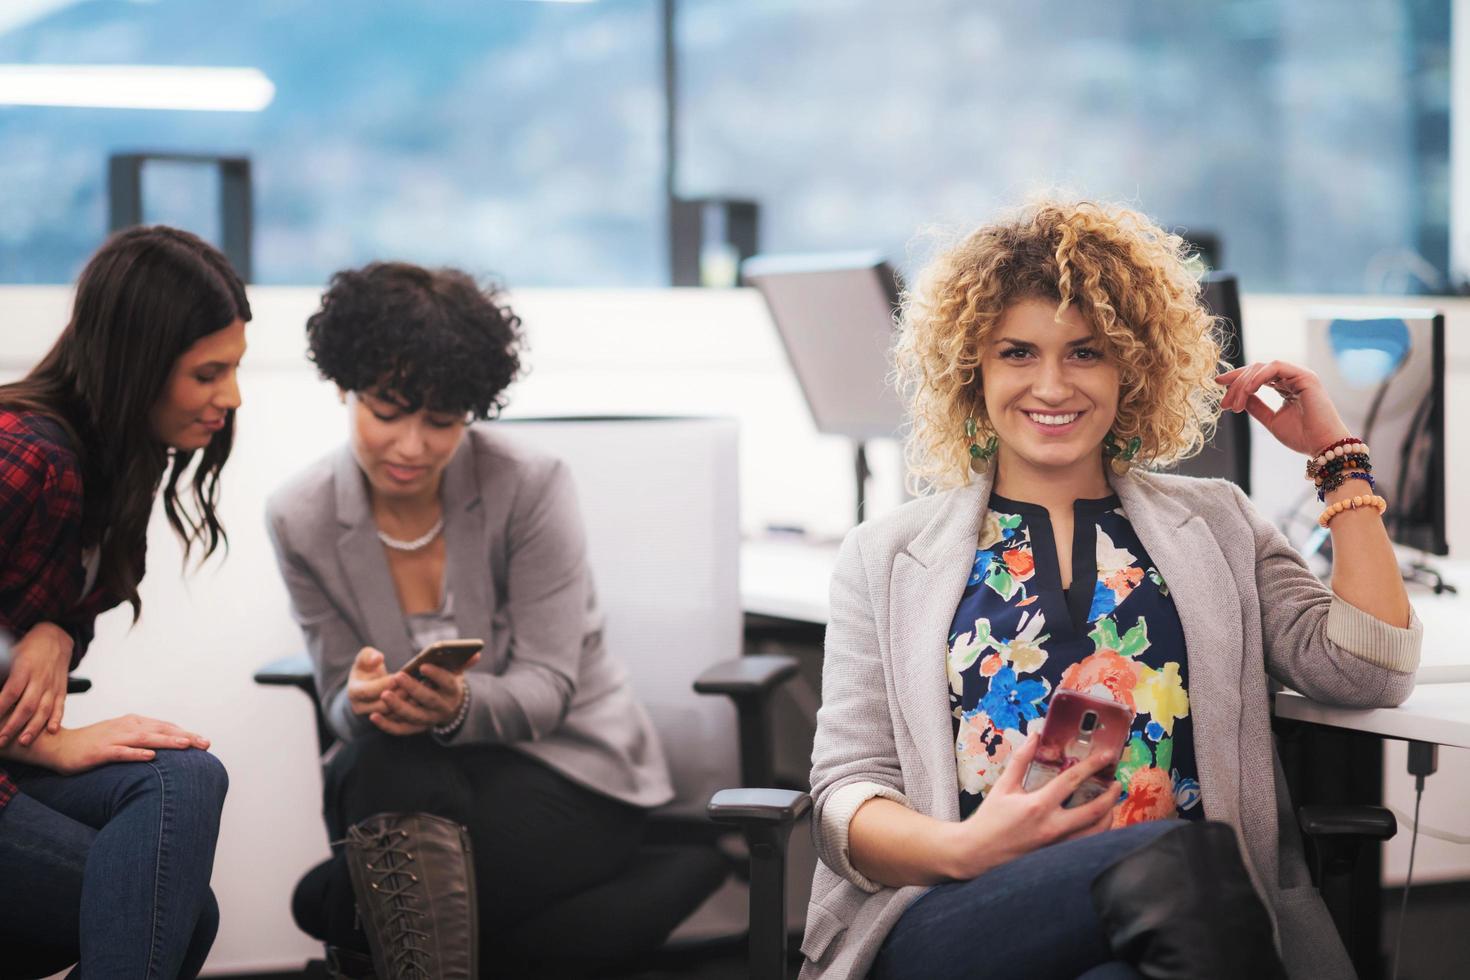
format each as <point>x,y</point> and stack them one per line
<point>41,570</point>
<point>41,573</point>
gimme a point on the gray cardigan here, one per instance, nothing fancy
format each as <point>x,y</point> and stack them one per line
<point>1250,609</point>
<point>516,563</point>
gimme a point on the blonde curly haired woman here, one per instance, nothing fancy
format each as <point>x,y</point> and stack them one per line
<point>1053,361</point>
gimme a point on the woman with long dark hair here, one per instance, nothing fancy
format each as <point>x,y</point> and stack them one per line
<point>107,832</point>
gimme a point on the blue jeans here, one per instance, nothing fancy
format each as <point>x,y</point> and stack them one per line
<point>111,868</point>
<point>1031,917</point>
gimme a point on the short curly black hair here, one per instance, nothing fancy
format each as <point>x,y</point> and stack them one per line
<point>429,338</point>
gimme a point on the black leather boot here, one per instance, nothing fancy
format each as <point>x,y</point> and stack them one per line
<point>414,882</point>
<point>1182,907</point>
<point>344,964</point>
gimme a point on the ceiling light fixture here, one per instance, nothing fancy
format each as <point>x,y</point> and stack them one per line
<point>137,87</point>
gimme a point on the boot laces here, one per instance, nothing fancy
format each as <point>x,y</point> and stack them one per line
<point>394,882</point>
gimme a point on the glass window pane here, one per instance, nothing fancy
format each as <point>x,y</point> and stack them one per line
<point>1311,136</point>
<point>519,138</point>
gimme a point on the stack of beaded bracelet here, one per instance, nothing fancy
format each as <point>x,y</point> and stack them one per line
<point>1331,481</point>
<point>1346,459</point>
<point>1352,503</point>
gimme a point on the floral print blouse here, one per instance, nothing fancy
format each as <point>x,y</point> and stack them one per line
<point>1017,636</point>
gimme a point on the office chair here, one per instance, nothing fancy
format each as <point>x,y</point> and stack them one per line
<point>658,498</point>
<point>680,857</point>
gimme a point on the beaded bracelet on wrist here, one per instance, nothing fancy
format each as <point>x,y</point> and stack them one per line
<point>455,723</point>
<point>1343,447</point>
<point>1351,461</point>
<point>1328,475</point>
<point>1335,480</point>
<point>1353,503</point>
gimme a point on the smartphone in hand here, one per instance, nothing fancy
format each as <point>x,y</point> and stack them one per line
<point>452,655</point>
<point>1077,725</point>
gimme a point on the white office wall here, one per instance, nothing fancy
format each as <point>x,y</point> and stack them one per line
<point>655,351</point>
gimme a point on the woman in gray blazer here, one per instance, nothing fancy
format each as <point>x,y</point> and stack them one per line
<point>526,778</point>
<point>1050,361</point>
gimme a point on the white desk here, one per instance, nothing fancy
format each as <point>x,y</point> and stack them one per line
<point>1438,713</point>
<point>788,579</point>
<point>1438,710</point>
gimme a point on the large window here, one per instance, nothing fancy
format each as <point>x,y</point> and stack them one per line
<point>518,138</point>
<point>525,138</point>
<point>1311,136</point>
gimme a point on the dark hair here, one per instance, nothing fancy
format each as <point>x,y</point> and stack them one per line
<point>429,337</point>
<point>145,298</point>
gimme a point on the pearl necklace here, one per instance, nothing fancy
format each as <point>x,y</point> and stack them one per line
<point>399,545</point>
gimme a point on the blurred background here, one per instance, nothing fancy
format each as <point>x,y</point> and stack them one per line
<point>593,154</point>
<point>1312,137</point>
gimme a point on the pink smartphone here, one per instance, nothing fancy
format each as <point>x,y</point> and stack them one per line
<point>1077,725</point>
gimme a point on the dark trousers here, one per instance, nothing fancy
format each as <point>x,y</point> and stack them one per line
<point>1031,917</point>
<point>538,838</point>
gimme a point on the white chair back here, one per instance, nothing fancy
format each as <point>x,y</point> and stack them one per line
<point>660,500</point>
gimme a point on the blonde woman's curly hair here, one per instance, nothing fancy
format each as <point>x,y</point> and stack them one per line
<point>1124,274</point>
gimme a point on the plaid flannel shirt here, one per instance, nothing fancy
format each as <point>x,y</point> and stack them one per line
<point>41,569</point>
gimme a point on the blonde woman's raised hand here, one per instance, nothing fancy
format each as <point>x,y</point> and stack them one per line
<point>1306,421</point>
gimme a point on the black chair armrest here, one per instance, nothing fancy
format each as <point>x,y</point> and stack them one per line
<point>1367,822</point>
<point>296,671</point>
<point>1338,833</point>
<point>767,807</point>
<point>749,682</point>
<point>78,685</point>
<point>292,671</point>
<point>765,818</point>
<point>755,675</point>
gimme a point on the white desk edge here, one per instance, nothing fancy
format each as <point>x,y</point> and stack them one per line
<point>788,580</point>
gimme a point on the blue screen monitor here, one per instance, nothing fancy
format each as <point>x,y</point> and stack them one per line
<point>1385,372</point>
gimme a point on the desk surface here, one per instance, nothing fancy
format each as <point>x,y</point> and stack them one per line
<point>1438,713</point>
<point>788,579</point>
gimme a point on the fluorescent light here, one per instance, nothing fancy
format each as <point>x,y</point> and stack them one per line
<point>18,13</point>
<point>136,87</point>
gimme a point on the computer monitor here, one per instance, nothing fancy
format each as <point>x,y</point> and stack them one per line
<point>1385,372</point>
<point>1228,455</point>
<point>835,313</point>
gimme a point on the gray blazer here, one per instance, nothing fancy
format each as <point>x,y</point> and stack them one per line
<point>517,566</point>
<point>1250,608</point>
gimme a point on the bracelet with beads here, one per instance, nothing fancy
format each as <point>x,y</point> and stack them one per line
<point>1332,481</point>
<point>1353,503</point>
<point>1343,447</point>
<point>449,730</point>
<point>1341,465</point>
